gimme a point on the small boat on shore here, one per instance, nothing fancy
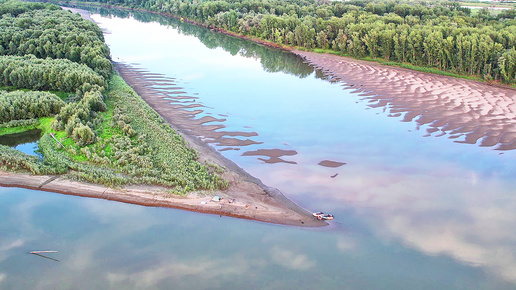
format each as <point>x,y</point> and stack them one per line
<point>322,216</point>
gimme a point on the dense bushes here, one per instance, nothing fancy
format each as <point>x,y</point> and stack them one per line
<point>138,146</point>
<point>81,118</point>
<point>20,105</point>
<point>16,8</point>
<point>48,74</point>
<point>19,123</point>
<point>52,32</point>
<point>146,148</point>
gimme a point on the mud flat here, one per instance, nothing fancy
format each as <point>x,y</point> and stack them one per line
<point>467,111</point>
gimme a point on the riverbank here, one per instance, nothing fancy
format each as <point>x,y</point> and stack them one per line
<point>243,199</point>
<point>466,111</point>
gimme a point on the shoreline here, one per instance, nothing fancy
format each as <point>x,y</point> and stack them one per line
<point>264,208</point>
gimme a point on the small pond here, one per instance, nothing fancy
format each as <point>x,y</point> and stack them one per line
<point>26,142</point>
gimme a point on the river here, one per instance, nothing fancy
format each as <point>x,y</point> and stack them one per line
<point>412,211</point>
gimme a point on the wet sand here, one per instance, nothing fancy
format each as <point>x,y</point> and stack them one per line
<point>466,111</point>
<point>252,200</point>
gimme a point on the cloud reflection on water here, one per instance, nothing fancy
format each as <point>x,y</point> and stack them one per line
<point>441,209</point>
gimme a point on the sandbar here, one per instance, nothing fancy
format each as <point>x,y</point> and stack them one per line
<point>466,111</point>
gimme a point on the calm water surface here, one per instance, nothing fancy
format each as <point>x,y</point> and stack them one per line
<point>412,212</point>
<point>26,142</point>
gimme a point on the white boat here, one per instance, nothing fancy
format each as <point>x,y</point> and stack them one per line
<point>322,216</point>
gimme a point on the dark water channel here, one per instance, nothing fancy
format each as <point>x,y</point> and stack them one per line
<point>412,212</point>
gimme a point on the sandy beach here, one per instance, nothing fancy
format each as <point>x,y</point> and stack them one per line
<point>466,111</point>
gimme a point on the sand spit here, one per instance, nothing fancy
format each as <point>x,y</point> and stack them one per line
<point>331,163</point>
<point>252,201</point>
<point>273,154</point>
<point>476,112</point>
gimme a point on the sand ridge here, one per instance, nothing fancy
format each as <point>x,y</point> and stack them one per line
<point>468,111</point>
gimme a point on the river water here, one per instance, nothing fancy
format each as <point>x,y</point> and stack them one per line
<point>412,212</point>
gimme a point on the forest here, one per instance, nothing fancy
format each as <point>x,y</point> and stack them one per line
<point>34,73</point>
<point>56,75</point>
<point>51,32</point>
<point>439,34</point>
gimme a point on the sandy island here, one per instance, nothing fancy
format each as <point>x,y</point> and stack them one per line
<point>246,197</point>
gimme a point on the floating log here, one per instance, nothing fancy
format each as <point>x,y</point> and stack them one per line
<point>41,252</point>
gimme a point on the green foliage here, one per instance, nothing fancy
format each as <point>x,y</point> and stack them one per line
<point>19,105</point>
<point>83,135</point>
<point>48,74</point>
<point>18,123</point>
<point>51,32</point>
<point>129,143</point>
<point>146,148</point>
<point>16,8</point>
<point>438,34</point>
<point>79,119</point>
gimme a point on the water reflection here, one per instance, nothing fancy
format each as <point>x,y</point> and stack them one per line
<point>272,60</point>
<point>131,247</point>
<point>25,142</point>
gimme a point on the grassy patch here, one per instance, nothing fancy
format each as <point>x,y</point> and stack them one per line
<point>14,130</point>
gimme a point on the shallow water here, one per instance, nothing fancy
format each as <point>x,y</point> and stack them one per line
<point>412,212</point>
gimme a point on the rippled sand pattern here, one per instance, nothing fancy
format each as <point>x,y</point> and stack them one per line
<point>476,112</point>
<point>181,109</point>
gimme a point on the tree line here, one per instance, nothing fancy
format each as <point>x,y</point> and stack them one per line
<point>51,32</point>
<point>441,35</point>
<point>48,74</point>
<point>19,105</point>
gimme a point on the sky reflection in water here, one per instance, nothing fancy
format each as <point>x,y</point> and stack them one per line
<point>131,247</point>
<point>412,212</point>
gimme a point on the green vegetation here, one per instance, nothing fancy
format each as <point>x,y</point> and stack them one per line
<point>440,34</point>
<point>48,74</point>
<point>28,105</point>
<point>51,32</point>
<point>109,134</point>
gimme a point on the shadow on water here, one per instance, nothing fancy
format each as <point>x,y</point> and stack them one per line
<point>25,142</point>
